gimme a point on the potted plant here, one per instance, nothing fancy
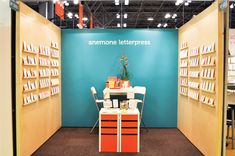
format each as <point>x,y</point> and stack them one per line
<point>125,74</point>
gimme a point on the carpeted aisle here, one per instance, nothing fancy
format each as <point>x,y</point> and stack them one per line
<point>155,142</point>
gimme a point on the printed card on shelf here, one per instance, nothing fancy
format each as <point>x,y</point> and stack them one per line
<point>115,103</point>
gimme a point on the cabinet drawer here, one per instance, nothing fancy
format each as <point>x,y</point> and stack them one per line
<point>108,117</point>
<point>108,143</point>
<point>108,124</point>
<point>129,124</point>
<point>129,143</point>
<point>108,131</point>
<point>130,131</point>
<point>129,117</point>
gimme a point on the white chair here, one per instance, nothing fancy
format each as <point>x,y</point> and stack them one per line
<point>141,91</point>
<point>98,104</point>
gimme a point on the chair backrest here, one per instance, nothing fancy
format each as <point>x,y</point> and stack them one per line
<point>140,90</point>
<point>94,95</point>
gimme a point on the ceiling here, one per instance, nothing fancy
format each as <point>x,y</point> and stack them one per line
<point>138,11</point>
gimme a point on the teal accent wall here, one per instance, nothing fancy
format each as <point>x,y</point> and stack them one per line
<point>153,66</point>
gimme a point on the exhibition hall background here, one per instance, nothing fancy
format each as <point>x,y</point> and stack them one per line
<point>153,66</point>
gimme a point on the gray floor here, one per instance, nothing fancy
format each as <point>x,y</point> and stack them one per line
<point>155,142</point>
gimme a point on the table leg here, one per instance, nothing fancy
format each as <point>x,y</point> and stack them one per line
<point>232,128</point>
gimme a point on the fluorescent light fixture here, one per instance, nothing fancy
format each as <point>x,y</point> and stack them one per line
<point>186,3</point>
<point>118,25</point>
<point>126,2</point>
<point>231,6</point>
<point>165,25</point>
<point>189,1</point>
<point>75,2</point>
<point>180,1</point>
<point>124,25</point>
<point>125,15</point>
<point>76,15</point>
<point>176,3</point>
<point>85,19</point>
<point>117,15</point>
<point>70,15</point>
<point>167,15</point>
<point>150,19</point>
<point>159,25</point>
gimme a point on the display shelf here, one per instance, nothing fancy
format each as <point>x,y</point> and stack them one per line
<point>211,105</point>
<point>30,77</point>
<point>208,65</point>
<point>197,55</point>
<point>55,75</point>
<point>183,75</point>
<point>194,66</point>
<point>183,66</point>
<point>55,85</point>
<point>44,76</point>
<point>185,57</point>
<point>55,93</point>
<point>194,88</point>
<point>193,77</point>
<point>193,98</point>
<point>26,104</point>
<point>29,52</point>
<point>44,65</point>
<point>44,98</point>
<point>54,57</point>
<point>30,90</point>
<point>208,78</point>
<point>184,94</point>
<point>45,87</point>
<point>32,65</point>
<point>207,91</point>
<point>208,53</point>
<point>44,55</point>
<point>183,85</point>
<point>183,48</point>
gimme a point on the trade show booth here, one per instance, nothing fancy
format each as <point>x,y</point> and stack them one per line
<point>62,75</point>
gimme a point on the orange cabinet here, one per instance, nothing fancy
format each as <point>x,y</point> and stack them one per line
<point>118,131</point>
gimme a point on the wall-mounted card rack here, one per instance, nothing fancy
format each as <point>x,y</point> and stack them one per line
<point>44,62</point>
<point>54,63</point>
<point>194,74</point>
<point>29,61</point>
<point>55,90</point>
<point>44,50</point>
<point>193,95</point>
<point>44,95</point>
<point>184,91</point>
<point>30,73</point>
<point>44,83</point>
<point>30,86</point>
<point>30,48</point>
<point>194,52</point>
<point>55,82</point>
<point>54,72</point>
<point>44,73</point>
<point>208,49</point>
<point>29,99</point>
<point>194,62</point>
<point>54,45</point>
<point>207,101</point>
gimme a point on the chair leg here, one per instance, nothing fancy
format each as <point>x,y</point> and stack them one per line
<point>94,126</point>
<point>228,132</point>
<point>142,121</point>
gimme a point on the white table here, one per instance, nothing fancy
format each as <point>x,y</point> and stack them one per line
<point>122,91</point>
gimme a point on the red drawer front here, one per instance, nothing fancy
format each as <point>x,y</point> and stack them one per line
<point>129,124</point>
<point>108,124</point>
<point>108,117</point>
<point>129,143</point>
<point>108,131</point>
<point>129,131</point>
<point>108,143</point>
<point>129,117</point>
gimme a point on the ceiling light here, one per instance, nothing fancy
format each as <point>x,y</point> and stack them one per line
<point>167,15</point>
<point>124,25</point>
<point>118,25</point>
<point>66,4</point>
<point>85,19</point>
<point>176,3</point>
<point>76,15</point>
<point>126,2</point>
<point>125,15</point>
<point>70,15</point>
<point>54,1</point>
<point>189,1</point>
<point>75,2</point>
<point>159,25</point>
<point>150,19</point>
<point>231,6</point>
<point>116,2</point>
<point>174,16</point>
<point>117,15</point>
<point>176,27</point>
<point>165,25</point>
<point>186,3</point>
<point>180,1</point>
